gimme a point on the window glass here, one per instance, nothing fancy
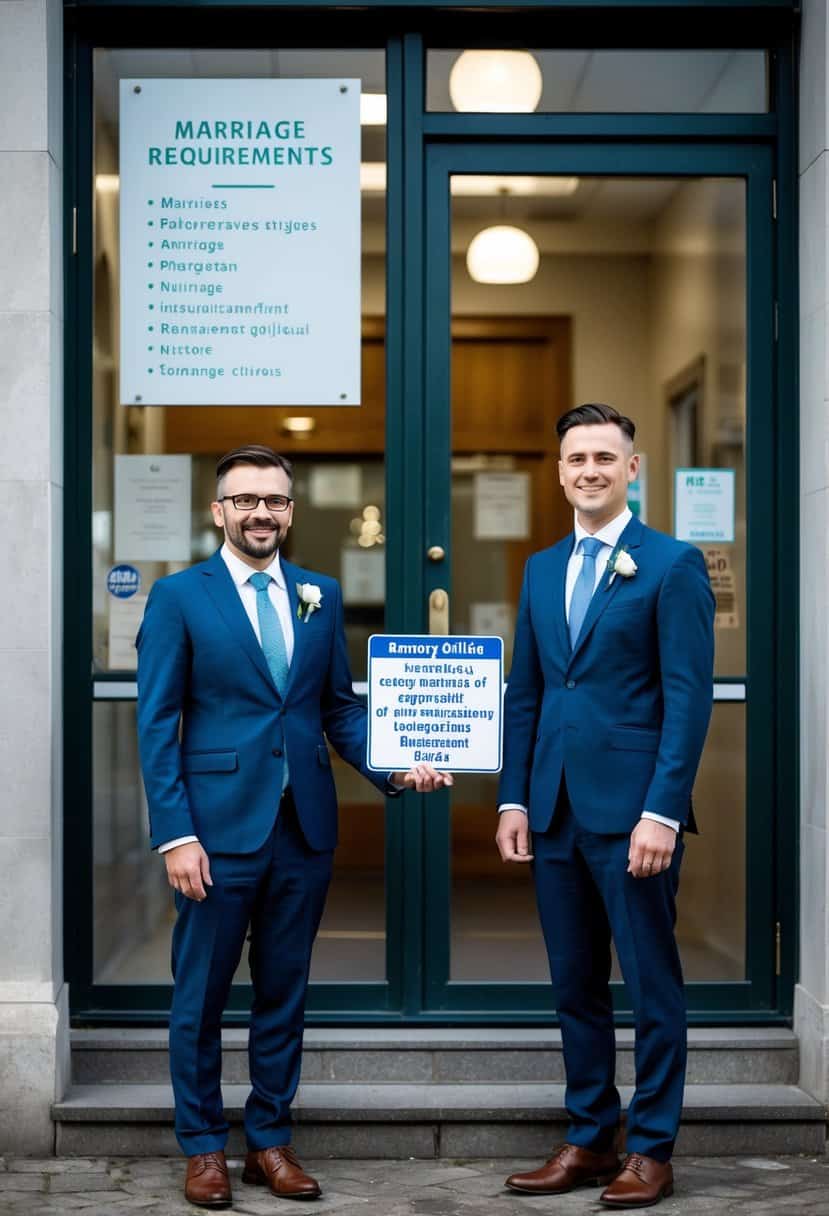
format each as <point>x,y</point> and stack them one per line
<point>603,82</point>
<point>339,528</point>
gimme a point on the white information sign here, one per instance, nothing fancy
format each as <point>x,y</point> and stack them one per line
<point>436,700</point>
<point>704,505</point>
<point>502,506</point>
<point>240,242</point>
<point>152,508</point>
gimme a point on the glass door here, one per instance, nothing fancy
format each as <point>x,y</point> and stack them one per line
<point>639,276</point>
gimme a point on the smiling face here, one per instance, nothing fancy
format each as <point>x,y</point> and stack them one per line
<point>254,536</point>
<point>596,466</point>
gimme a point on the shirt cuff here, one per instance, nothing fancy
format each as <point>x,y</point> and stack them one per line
<point>669,823</point>
<point>392,788</point>
<point>511,806</point>
<point>173,844</point>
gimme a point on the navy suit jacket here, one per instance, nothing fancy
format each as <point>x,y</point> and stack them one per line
<point>623,715</point>
<point>213,731</point>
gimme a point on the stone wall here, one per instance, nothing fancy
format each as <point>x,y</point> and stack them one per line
<point>812,993</point>
<point>33,1007</point>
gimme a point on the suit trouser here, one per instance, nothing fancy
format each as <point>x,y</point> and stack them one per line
<point>279,892</point>
<point>584,895</point>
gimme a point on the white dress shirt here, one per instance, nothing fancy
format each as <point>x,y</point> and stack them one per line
<point>240,572</point>
<point>609,535</point>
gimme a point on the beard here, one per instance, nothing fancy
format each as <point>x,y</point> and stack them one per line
<point>239,533</point>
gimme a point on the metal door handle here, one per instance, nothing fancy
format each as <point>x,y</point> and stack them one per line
<point>439,611</point>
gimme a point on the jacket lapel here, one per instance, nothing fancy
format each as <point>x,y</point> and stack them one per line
<point>225,596</point>
<point>293,575</point>
<point>561,556</point>
<point>631,538</point>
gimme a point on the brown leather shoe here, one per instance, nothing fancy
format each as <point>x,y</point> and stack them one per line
<point>279,1169</point>
<point>570,1167</point>
<point>642,1182</point>
<point>208,1182</point>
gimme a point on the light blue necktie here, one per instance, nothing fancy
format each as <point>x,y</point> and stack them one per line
<point>273,641</point>
<point>584,588</point>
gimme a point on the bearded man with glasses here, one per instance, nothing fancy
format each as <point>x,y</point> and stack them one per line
<point>242,674</point>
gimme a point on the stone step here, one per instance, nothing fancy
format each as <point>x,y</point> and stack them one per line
<point>444,1056</point>
<point>444,1120</point>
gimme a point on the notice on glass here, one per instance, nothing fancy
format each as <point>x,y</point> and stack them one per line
<point>125,617</point>
<point>724,586</point>
<point>363,576</point>
<point>435,700</point>
<point>704,506</point>
<point>240,242</point>
<point>152,508</point>
<point>332,485</point>
<point>502,506</point>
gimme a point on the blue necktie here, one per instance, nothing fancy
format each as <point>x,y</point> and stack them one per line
<point>273,641</point>
<point>584,588</point>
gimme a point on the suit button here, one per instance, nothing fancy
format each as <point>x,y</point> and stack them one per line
<point>571,683</point>
<point>277,751</point>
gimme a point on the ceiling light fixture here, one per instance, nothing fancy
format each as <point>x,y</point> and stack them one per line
<point>502,254</point>
<point>495,82</point>
<point>299,427</point>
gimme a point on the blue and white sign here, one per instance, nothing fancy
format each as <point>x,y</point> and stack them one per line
<point>435,700</point>
<point>123,582</point>
<point>704,506</point>
<point>240,242</point>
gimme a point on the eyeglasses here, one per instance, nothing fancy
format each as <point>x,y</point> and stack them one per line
<point>249,502</point>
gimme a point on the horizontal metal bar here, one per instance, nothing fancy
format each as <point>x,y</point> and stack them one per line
<point>729,692</point>
<point>438,125</point>
<point>127,690</point>
<point>114,690</point>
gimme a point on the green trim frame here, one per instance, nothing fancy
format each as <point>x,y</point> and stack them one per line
<point>416,989</point>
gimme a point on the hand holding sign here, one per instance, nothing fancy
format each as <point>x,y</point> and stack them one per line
<point>423,778</point>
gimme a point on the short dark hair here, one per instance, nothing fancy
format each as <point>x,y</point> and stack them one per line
<point>256,454</point>
<point>594,415</point>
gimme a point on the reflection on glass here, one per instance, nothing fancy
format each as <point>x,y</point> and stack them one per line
<point>604,82</point>
<point>339,529</point>
<point>640,301</point>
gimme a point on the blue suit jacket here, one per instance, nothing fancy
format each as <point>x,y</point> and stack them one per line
<point>218,775</point>
<point>624,714</point>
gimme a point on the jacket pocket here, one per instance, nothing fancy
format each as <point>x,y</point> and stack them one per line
<point>627,605</point>
<point>210,762</point>
<point>322,756</point>
<point>634,739</point>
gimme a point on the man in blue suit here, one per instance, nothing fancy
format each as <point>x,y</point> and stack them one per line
<point>606,713</point>
<point>242,673</point>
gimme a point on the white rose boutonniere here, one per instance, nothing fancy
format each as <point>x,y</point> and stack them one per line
<point>621,563</point>
<point>310,599</point>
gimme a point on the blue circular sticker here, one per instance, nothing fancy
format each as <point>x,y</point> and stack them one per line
<point>123,581</point>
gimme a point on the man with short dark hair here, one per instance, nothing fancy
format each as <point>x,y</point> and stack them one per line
<point>606,712</point>
<point>242,675</point>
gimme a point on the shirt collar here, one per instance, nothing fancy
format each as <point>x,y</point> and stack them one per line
<point>240,571</point>
<point>610,534</point>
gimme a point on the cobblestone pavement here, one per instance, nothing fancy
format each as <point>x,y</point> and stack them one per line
<point>753,1186</point>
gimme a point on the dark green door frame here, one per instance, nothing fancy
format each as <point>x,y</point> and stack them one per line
<point>752,162</point>
<point>417,945</point>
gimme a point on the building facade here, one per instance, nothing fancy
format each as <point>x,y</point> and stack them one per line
<point>666,176</point>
